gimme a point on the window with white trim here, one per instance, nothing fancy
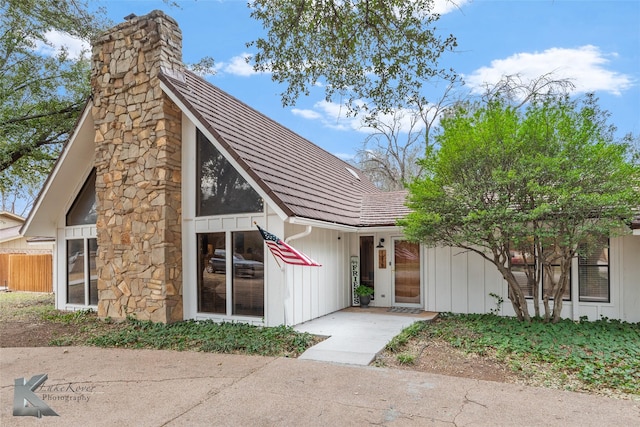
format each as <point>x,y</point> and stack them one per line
<point>82,276</point>
<point>231,273</point>
<point>81,272</point>
<point>520,261</point>
<point>221,189</point>
<point>593,272</point>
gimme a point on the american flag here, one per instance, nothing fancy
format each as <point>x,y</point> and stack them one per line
<point>285,252</point>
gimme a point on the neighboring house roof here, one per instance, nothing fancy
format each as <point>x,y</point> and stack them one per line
<point>41,240</point>
<point>10,224</point>
<point>11,233</point>
<point>9,219</point>
<point>301,178</point>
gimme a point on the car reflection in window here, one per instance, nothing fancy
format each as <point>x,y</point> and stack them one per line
<point>241,267</point>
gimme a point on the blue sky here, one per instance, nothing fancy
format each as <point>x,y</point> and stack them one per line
<point>595,43</point>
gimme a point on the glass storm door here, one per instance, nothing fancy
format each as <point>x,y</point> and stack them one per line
<point>406,273</point>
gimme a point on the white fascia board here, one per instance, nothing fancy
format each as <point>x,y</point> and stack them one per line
<point>41,221</point>
<point>342,227</point>
<point>381,229</point>
<point>321,224</point>
<point>283,216</point>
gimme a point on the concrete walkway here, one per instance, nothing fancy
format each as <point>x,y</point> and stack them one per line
<point>356,335</point>
<point>88,386</point>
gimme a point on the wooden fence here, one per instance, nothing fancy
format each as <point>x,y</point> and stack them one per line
<point>20,272</point>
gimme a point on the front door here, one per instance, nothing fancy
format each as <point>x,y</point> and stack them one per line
<point>406,274</point>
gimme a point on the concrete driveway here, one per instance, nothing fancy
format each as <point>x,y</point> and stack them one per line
<point>89,386</point>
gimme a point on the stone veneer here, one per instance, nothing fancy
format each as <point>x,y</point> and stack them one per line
<point>138,170</point>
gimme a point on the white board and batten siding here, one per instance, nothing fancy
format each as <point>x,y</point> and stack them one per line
<point>460,281</point>
<point>630,277</point>
<point>313,292</point>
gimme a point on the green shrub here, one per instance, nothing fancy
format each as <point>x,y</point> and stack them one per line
<point>208,336</point>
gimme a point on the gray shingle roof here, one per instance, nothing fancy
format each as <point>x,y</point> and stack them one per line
<point>301,178</point>
<point>383,208</point>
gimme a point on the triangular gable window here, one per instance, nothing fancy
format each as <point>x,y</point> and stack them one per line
<point>221,189</point>
<point>83,209</point>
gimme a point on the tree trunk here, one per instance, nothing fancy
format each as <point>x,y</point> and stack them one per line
<point>533,281</point>
<point>560,288</point>
<point>516,296</point>
<point>547,309</point>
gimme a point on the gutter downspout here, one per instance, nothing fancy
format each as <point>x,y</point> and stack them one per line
<point>299,235</point>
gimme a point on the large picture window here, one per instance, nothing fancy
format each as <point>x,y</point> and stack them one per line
<point>248,273</point>
<point>212,273</point>
<point>82,276</point>
<point>593,272</point>
<point>221,189</point>
<point>231,279</point>
<point>83,209</point>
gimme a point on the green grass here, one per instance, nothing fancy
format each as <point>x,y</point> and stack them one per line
<point>25,306</point>
<point>406,358</point>
<point>601,355</point>
<point>400,340</point>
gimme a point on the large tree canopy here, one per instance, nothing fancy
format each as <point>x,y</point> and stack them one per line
<point>377,51</point>
<point>41,90</point>
<point>542,180</point>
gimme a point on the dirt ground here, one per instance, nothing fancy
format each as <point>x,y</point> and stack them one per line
<point>21,325</point>
<point>23,322</point>
<point>439,357</point>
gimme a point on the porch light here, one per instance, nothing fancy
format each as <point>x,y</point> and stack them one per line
<point>380,244</point>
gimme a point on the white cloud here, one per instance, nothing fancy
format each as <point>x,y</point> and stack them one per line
<point>306,114</point>
<point>584,66</point>
<point>57,40</point>
<point>238,66</point>
<point>333,116</point>
<point>443,7</point>
<point>345,156</point>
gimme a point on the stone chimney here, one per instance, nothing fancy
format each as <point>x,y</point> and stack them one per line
<point>138,170</point>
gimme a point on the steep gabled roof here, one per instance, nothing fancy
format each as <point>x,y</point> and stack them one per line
<point>300,177</point>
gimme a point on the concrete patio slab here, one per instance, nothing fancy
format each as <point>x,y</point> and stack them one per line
<point>356,335</point>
